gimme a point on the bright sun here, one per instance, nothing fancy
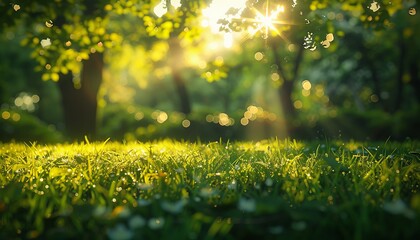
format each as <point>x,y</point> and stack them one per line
<point>263,21</point>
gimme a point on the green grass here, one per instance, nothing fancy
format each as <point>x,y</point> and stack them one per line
<point>179,190</point>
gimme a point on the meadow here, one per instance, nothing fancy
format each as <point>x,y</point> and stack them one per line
<point>272,189</point>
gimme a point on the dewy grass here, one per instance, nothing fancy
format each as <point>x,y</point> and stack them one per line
<point>181,190</point>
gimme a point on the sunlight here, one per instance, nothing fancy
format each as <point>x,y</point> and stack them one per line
<point>266,22</point>
<point>218,10</point>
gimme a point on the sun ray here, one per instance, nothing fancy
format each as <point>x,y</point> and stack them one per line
<point>265,22</point>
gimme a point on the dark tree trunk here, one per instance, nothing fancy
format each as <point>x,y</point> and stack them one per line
<point>414,78</point>
<point>80,103</point>
<point>184,100</point>
<point>286,90</point>
<point>177,62</point>
<point>400,74</point>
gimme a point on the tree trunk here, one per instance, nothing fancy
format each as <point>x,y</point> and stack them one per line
<point>80,102</point>
<point>185,105</point>
<point>286,90</point>
<point>177,66</point>
<point>415,79</point>
<point>400,74</point>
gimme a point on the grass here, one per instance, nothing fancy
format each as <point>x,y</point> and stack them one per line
<point>179,190</point>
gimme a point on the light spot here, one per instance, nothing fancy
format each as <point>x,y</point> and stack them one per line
<point>156,223</point>
<point>176,3</point>
<point>330,37</point>
<point>48,66</point>
<point>398,207</point>
<point>162,117</point>
<point>108,7</point>
<point>291,47</point>
<point>136,222</point>
<point>326,44</point>
<point>275,77</point>
<point>224,119</point>
<point>16,117</point>
<point>374,98</point>
<point>228,40</point>
<point>186,123</point>
<point>49,23</point>
<point>258,56</point>
<point>412,11</point>
<point>269,182</point>
<point>247,205</point>
<point>46,42</point>
<point>374,6</point>
<point>306,85</point>
<point>68,44</point>
<point>160,9</point>
<point>207,192</point>
<point>298,104</point>
<point>253,109</point>
<point>16,7</point>
<point>18,102</point>
<point>174,207</point>
<point>209,118</point>
<point>119,232</point>
<point>219,61</point>
<point>5,115</point>
<point>244,121</point>
<point>139,116</point>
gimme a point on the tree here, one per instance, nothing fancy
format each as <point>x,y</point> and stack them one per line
<point>68,38</point>
<point>282,25</point>
<point>178,25</point>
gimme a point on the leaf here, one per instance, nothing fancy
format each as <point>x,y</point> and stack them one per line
<point>18,167</point>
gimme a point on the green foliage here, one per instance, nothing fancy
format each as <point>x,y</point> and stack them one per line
<point>23,126</point>
<point>142,124</point>
<point>166,190</point>
<point>360,125</point>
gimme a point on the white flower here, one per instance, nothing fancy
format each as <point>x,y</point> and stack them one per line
<point>119,232</point>
<point>247,205</point>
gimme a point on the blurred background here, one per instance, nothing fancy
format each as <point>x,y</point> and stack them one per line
<point>209,70</point>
